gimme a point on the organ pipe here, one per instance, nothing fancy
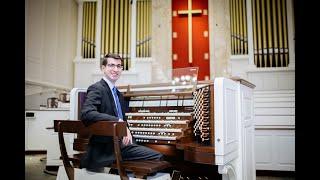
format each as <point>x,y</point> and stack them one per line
<point>270,33</point>
<point>238,27</point>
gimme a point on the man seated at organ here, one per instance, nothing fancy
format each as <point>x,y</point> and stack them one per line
<point>105,102</point>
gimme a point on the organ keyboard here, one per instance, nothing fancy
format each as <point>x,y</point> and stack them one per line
<point>167,117</point>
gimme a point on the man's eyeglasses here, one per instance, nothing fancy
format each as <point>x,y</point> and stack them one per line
<point>119,66</point>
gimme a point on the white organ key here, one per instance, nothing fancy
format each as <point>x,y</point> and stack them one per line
<point>135,103</point>
<point>151,103</point>
<point>172,118</point>
<point>157,122</point>
<point>188,102</point>
<point>163,103</point>
<point>155,137</point>
<point>172,103</point>
<point>158,114</point>
<point>141,98</point>
<point>155,129</point>
<point>173,111</point>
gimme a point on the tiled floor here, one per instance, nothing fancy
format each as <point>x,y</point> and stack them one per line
<point>35,164</point>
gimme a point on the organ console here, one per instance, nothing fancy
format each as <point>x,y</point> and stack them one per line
<point>173,119</point>
<point>198,127</point>
<point>164,117</point>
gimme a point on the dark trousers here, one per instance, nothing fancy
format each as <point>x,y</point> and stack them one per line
<point>132,152</point>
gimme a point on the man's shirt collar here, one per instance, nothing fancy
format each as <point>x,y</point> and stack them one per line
<point>111,85</point>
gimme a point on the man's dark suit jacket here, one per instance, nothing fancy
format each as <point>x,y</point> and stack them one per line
<point>99,105</point>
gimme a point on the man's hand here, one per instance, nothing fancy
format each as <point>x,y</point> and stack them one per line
<point>127,139</point>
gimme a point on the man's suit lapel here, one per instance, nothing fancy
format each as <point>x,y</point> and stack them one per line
<point>109,93</point>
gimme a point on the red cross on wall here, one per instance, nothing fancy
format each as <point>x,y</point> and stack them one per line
<point>190,36</point>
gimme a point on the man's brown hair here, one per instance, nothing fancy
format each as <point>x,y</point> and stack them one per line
<point>110,55</point>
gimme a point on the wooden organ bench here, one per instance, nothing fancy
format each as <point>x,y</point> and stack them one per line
<point>204,130</point>
<point>140,169</point>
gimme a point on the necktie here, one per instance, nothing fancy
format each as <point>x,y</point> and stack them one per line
<point>118,106</point>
